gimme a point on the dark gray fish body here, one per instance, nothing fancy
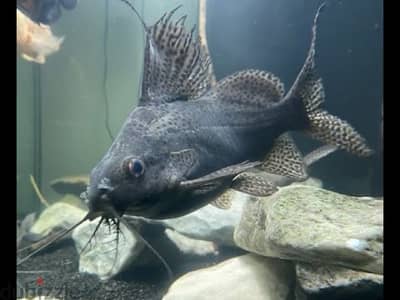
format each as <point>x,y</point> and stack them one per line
<point>189,141</point>
<point>218,135</point>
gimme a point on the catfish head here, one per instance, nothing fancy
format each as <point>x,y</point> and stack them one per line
<point>133,181</point>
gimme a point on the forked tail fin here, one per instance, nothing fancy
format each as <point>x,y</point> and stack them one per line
<point>323,126</point>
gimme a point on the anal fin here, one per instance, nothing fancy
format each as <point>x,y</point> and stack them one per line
<point>253,184</point>
<point>285,159</point>
<point>224,201</point>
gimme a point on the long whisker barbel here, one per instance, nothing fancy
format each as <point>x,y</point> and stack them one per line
<point>123,221</point>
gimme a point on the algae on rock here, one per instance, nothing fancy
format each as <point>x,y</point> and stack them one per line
<point>311,224</point>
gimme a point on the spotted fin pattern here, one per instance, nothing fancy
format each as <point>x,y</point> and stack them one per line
<point>253,184</point>
<point>176,65</point>
<point>324,127</point>
<point>249,88</point>
<point>224,201</point>
<point>285,159</point>
<point>334,131</point>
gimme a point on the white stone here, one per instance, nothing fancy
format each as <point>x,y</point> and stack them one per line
<point>59,214</point>
<point>357,245</point>
<point>191,246</point>
<point>210,223</point>
<point>249,277</point>
<point>101,256</point>
<point>311,181</point>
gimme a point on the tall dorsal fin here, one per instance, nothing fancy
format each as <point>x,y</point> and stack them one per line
<point>176,65</point>
<point>249,87</point>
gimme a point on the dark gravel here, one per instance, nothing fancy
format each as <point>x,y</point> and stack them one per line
<point>141,282</point>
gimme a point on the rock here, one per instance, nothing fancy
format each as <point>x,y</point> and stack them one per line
<point>311,181</point>
<point>99,257</point>
<point>210,223</point>
<point>24,227</point>
<point>181,253</point>
<point>213,224</point>
<point>247,277</point>
<point>310,224</point>
<point>70,184</point>
<point>191,246</point>
<point>322,281</point>
<point>103,256</point>
<point>59,214</point>
<point>74,201</point>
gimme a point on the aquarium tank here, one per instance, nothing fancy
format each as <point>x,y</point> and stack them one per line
<point>199,149</point>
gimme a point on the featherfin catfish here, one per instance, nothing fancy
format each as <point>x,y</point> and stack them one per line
<point>216,132</point>
<point>190,140</point>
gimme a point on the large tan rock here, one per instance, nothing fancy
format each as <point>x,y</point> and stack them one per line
<point>325,280</point>
<point>311,224</point>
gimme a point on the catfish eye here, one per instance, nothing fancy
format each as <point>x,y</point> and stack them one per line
<point>136,167</point>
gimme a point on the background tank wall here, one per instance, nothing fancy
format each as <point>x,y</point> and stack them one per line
<point>72,111</point>
<point>25,136</point>
<point>275,36</point>
<point>73,101</point>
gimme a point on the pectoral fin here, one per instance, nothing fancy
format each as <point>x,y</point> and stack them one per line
<point>226,173</point>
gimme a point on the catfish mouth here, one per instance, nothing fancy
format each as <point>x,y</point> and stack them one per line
<point>108,215</point>
<point>105,200</point>
<point>100,204</point>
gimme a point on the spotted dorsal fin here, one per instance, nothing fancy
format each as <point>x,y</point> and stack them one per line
<point>176,65</point>
<point>248,87</point>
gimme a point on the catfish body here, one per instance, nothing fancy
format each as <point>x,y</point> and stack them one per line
<point>189,140</point>
<point>216,135</point>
